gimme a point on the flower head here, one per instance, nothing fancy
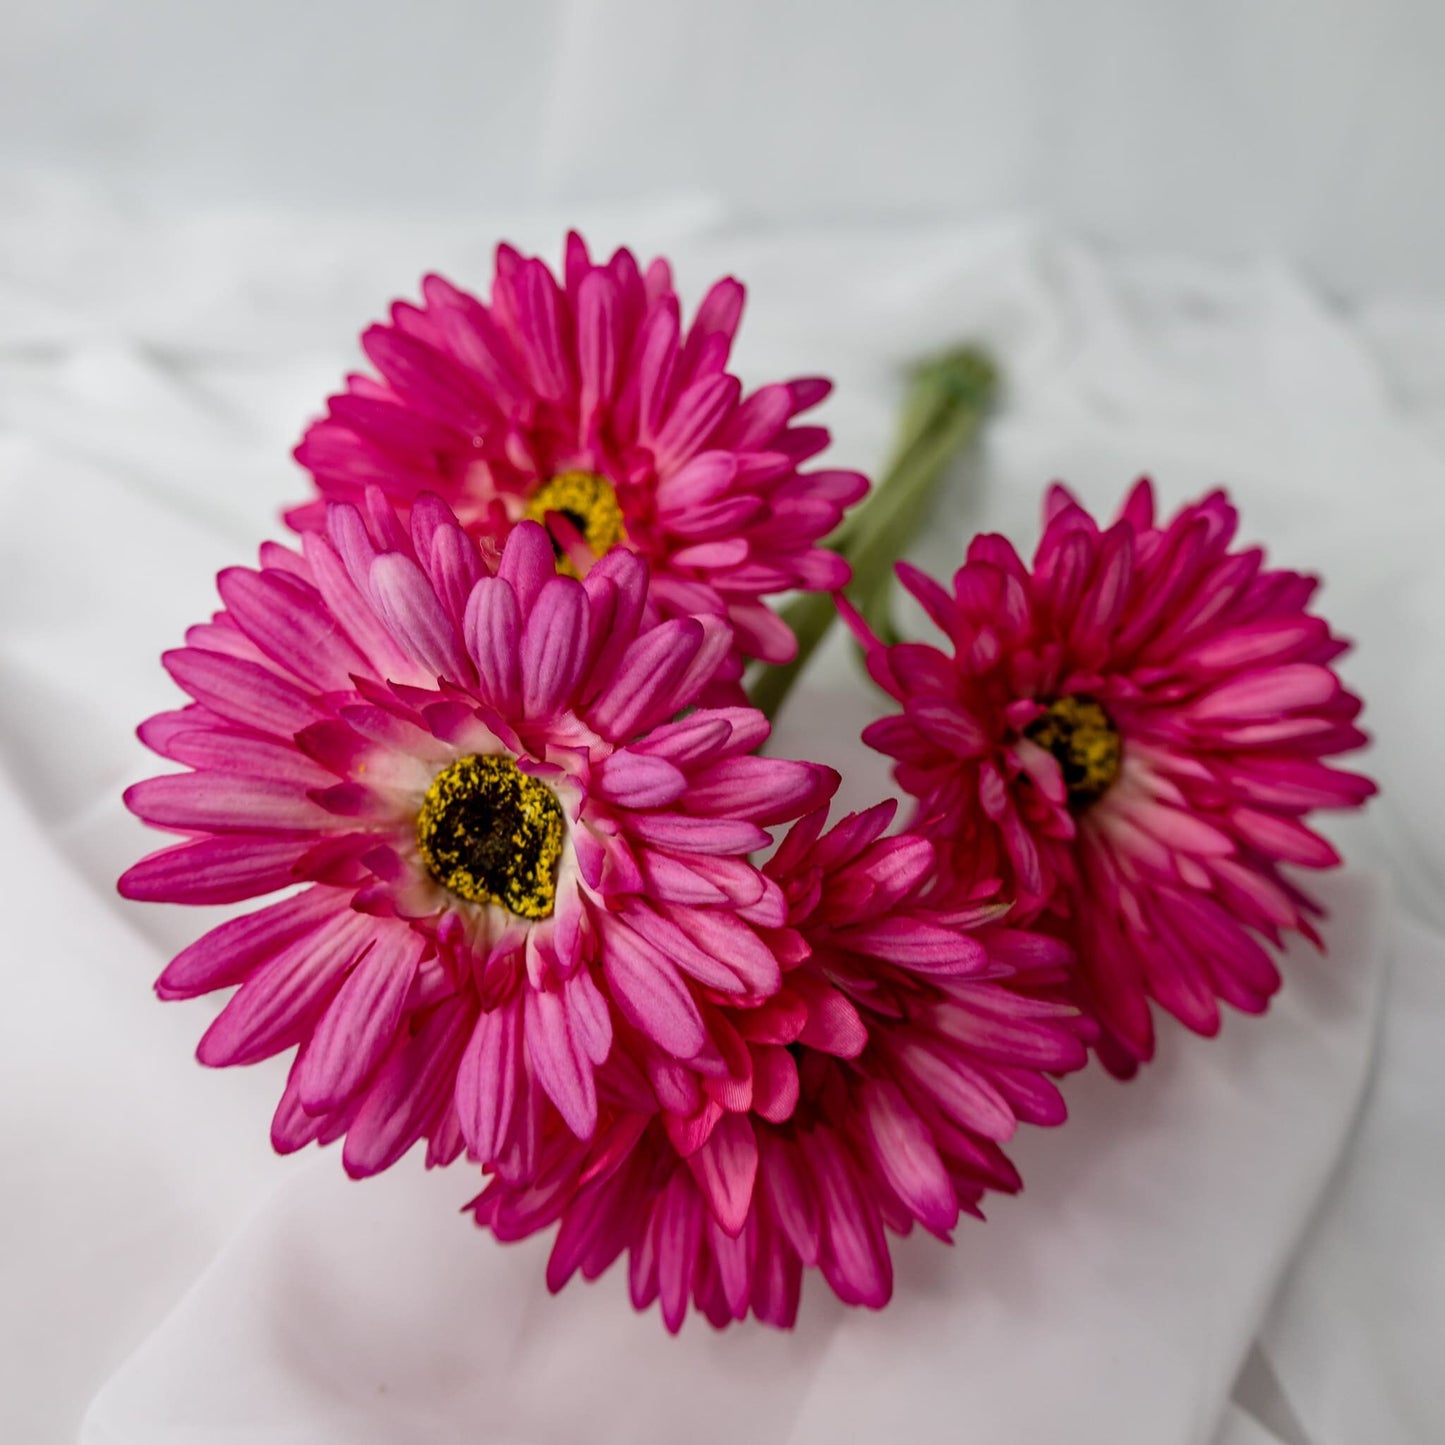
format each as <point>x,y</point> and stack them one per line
<point>1131,733</point>
<point>912,1033</point>
<point>511,845</point>
<point>581,402</point>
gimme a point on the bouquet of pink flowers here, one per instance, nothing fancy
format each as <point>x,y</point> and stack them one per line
<point>492,730</point>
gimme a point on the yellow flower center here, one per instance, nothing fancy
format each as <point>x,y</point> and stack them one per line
<point>590,504</point>
<point>1084,742</point>
<point>491,834</point>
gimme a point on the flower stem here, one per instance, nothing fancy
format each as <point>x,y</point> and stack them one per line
<point>943,415</point>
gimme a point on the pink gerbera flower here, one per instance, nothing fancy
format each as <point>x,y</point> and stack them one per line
<point>873,1092</point>
<point>582,403</point>
<point>511,847</point>
<point>1133,731</point>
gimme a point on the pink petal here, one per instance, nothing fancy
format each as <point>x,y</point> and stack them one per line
<point>406,600</point>
<point>561,1066</point>
<point>725,1169</point>
<point>651,993</point>
<point>410,1093</point>
<point>1283,838</point>
<point>775,1083</point>
<point>527,563</point>
<point>947,725</point>
<point>635,780</point>
<point>225,803</point>
<point>906,1154</point>
<point>767,790</point>
<point>916,944</point>
<point>487,1080</point>
<point>493,630</point>
<point>790,1194</point>
<point>855,1258</point>
<point>360,1022</point>
<point>1270,640</point>
<point>678,1223</point>
<point>275,1006</point>
<point>642,691</point>
<point>1185,831</point>
<point>703,480</point>
<point>287,620</point>
<point>246,692</point>
<point>958,1089</point>
<point>665,934</point>
<point>722,935</point>
<point>598,321</point>
<point>553,652</point>
<point>697,835</point>
<point>356,611</point>
<point>1266,693</point>
<point>215,870</point>
<point>228,953</point>
<point>697,413</point>
<point>834,1025</point>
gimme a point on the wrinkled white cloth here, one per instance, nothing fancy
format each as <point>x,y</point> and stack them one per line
<point>166,1278</point>
<point>1104,1304</point>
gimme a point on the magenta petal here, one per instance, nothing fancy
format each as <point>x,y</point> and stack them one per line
<point>215,870</point>
<point>643,691</point>
<point>697,835</point>
<point>1267,693</point>
<point>960,1090</point>
<point>919,945</point>
<point>948,725</point>
<point>229,952</point>
<point>775,1083</point>
<point>697,736</point>
<point>767,790</point>
<point>487,1080</point>
<point>285,618</point>
<point>360,1022</point>
<point>855,1255</point>
<point>790,1196</point>
<point>493,629</point>
<point>410,1093</point>
<point>413,613</point>
<point>698,961</point>
<point>636,780</point>
<point>678,1221</point>
<point>725,1169</point>
<point>721,935</point>
<point>1284,838</point>
<point>834,1024</point>
<point>906,1154</point>
<point>553,647</point>
<point>598,317</point>
<point>698,412</point>
<point>562,1067</point>
<point>280,1000</point>
<point>527,563</point>
<point>243,691</point>
<point>651,993</point>
<point>225,803</point>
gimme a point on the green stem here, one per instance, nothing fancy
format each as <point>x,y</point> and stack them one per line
<point>943,415</point>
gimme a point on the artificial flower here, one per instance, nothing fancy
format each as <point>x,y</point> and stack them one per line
<point>1132,733</point>
<point>582,403</point>
<point>511,845</point>
<point>875,1090</point>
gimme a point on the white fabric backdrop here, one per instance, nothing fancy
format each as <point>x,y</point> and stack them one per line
<point>153,374</point>
<point>1305,128</point>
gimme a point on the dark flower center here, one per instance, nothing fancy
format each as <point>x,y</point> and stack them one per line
<point>590,504</point>
<point>1085,744</point>
<point>491,834</point>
